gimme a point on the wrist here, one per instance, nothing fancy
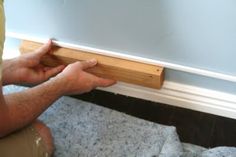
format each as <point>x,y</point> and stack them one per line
<point>58,84</point>
<point>7,71</point>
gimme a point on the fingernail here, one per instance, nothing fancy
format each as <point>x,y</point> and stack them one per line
<point>49,41</point>
<point>93,61</point>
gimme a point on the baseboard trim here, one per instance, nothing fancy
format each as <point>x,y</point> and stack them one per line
<point>121,55</point>
<point>181,95</point>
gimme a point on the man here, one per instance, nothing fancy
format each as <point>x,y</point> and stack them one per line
<point>20,133</point>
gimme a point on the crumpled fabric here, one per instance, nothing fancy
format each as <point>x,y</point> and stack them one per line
<point>84,129</point>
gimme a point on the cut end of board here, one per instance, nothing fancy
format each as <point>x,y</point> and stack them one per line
<point>119,69</point>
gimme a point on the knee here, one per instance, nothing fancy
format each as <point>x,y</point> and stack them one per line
<point>46,135</point>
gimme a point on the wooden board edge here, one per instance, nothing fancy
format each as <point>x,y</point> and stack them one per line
<point>119,73</point>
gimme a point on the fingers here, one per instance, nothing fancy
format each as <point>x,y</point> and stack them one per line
<point>44,49</point>
<point>98,81</point>
<point>49,72</point>
<point>33,59</point>
<point>88,64</point>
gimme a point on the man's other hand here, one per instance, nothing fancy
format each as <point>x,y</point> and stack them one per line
<point>27,69</point>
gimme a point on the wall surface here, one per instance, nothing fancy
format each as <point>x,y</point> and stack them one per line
<point>199,34</point>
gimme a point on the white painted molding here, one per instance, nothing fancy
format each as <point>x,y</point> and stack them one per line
<point>181,95</point>
<point>173,66</point>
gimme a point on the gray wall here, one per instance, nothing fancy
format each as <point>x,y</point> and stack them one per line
<point>196,33</point>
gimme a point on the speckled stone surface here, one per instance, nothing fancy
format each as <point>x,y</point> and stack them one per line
<point>83,129</point>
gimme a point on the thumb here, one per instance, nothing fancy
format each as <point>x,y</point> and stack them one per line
<point>88,64</point>
<point>102,82</point>
<point>44,49</point>
<point>49,72</point>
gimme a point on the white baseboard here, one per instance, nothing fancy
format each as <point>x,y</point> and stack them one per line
<point>181,95</point>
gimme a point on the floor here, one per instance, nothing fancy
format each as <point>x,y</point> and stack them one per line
<point>193,127</point>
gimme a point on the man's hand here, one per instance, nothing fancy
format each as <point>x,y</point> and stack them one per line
<point>19,109</point>
<point>74,80</point>
<point>28,68</point>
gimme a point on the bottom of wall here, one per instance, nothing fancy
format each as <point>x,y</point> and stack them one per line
<point>182,95</point>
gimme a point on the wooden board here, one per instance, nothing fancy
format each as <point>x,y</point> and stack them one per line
<point>108,67</point>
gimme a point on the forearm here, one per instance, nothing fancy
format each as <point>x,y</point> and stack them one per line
<point>24,107</point>
<point>19,109</point>
<point>8,68</point>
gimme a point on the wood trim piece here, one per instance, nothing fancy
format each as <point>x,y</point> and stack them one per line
<point>109,67</point>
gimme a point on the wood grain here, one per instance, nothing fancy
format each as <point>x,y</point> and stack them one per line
<point>108,67</point>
